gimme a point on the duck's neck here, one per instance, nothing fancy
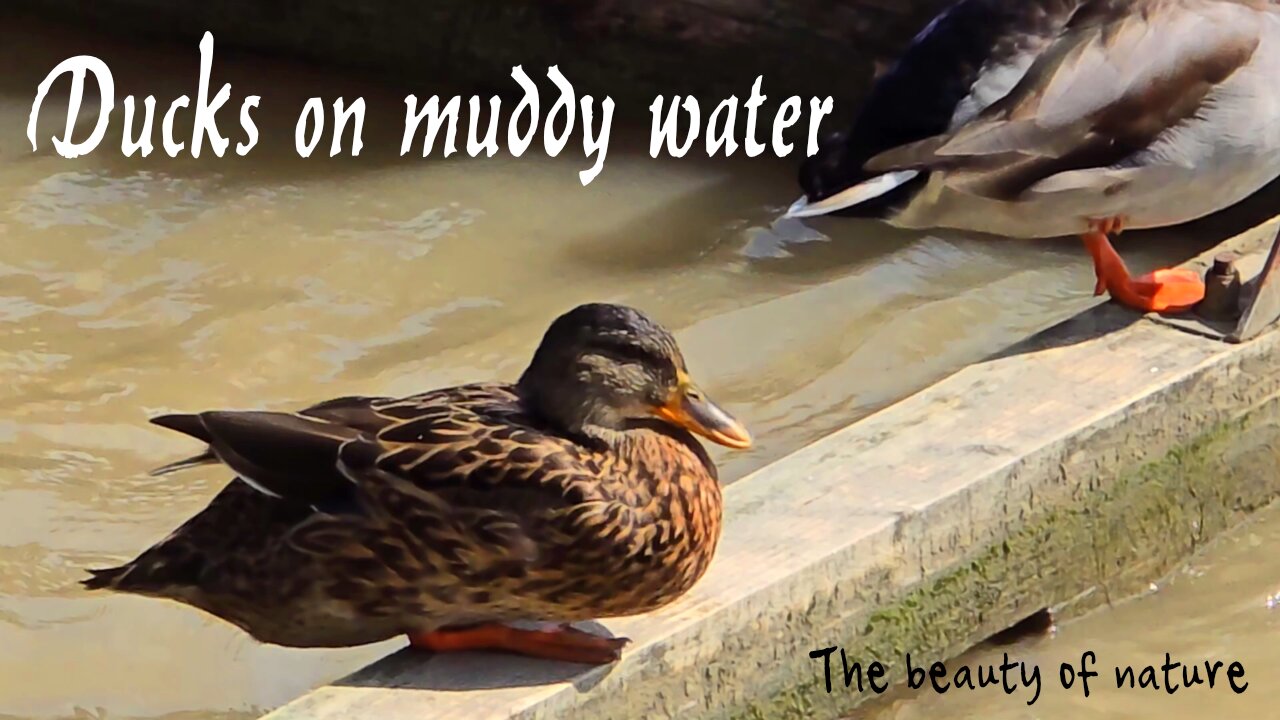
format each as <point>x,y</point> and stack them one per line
<point>642,435</point>
<point>575,414</point>
<point>604,438</point>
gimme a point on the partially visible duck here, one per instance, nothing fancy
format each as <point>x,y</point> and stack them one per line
<point>578,492</point>
<point>966,58</point>
<point>1081,118</point>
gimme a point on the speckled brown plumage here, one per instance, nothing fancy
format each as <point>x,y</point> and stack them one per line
<point>365,517</point>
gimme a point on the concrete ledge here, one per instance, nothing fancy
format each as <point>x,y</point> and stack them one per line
<point>1068,471</point>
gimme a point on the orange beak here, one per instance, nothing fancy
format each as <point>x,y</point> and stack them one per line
<point>690,409</point>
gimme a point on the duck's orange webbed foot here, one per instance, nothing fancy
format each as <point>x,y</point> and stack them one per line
<point>1164,290</point>
<point>560,643</point>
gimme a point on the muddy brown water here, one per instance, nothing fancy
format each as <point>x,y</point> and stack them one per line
<point>134,287</point>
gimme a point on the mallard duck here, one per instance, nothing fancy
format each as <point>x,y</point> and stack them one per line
<point>1042,118</point>
<point>579,492</point>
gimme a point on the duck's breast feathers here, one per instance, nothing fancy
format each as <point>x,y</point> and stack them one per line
<point>1121,75</point>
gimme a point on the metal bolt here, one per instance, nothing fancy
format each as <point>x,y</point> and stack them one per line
<point>1221,289</point>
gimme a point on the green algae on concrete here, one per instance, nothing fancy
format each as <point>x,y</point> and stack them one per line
<point>1114,544</point>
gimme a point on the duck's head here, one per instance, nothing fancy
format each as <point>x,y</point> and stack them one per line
<point>830,170</point>
<point>602,369</point>
<point>835,182</point>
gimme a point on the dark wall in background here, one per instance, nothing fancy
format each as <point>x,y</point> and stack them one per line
<point>629,49</point>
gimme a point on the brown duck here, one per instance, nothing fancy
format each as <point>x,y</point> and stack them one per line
<point>579,492</point>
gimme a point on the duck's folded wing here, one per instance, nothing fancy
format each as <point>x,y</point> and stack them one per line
<point>354,411</point>
<point>419,474</point>
<point>285,455</point>
<point>1122,74</point>
<point>296,455</point>
<point>472,492</point>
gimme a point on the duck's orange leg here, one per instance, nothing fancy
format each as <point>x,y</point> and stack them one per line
<point>1164,290</point>
<point>561,643</point>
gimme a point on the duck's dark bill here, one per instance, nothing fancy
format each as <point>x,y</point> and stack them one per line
<point>693,411</point>
<point>847,198</point>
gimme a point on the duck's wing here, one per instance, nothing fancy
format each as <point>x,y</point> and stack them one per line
<point>477,447</point>
<point>354,411</point>
<point>444,467</point>
<point>286,463</point>
<point>1123,73</point>
<point>365,484</point>
<point>284,455</point>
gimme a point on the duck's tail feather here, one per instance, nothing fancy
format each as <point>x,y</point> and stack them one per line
<point>855,195</point>
<point>159,571</point>
<point>187,424</point>
<point>105,578</point>
<point>205,458</point>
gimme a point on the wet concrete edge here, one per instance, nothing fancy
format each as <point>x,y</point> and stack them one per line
<point>1067,472</point>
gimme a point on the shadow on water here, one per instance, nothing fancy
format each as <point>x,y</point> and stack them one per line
<point>734,214</point>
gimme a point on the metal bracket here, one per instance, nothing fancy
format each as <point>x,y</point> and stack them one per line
<point>1242,297</point>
